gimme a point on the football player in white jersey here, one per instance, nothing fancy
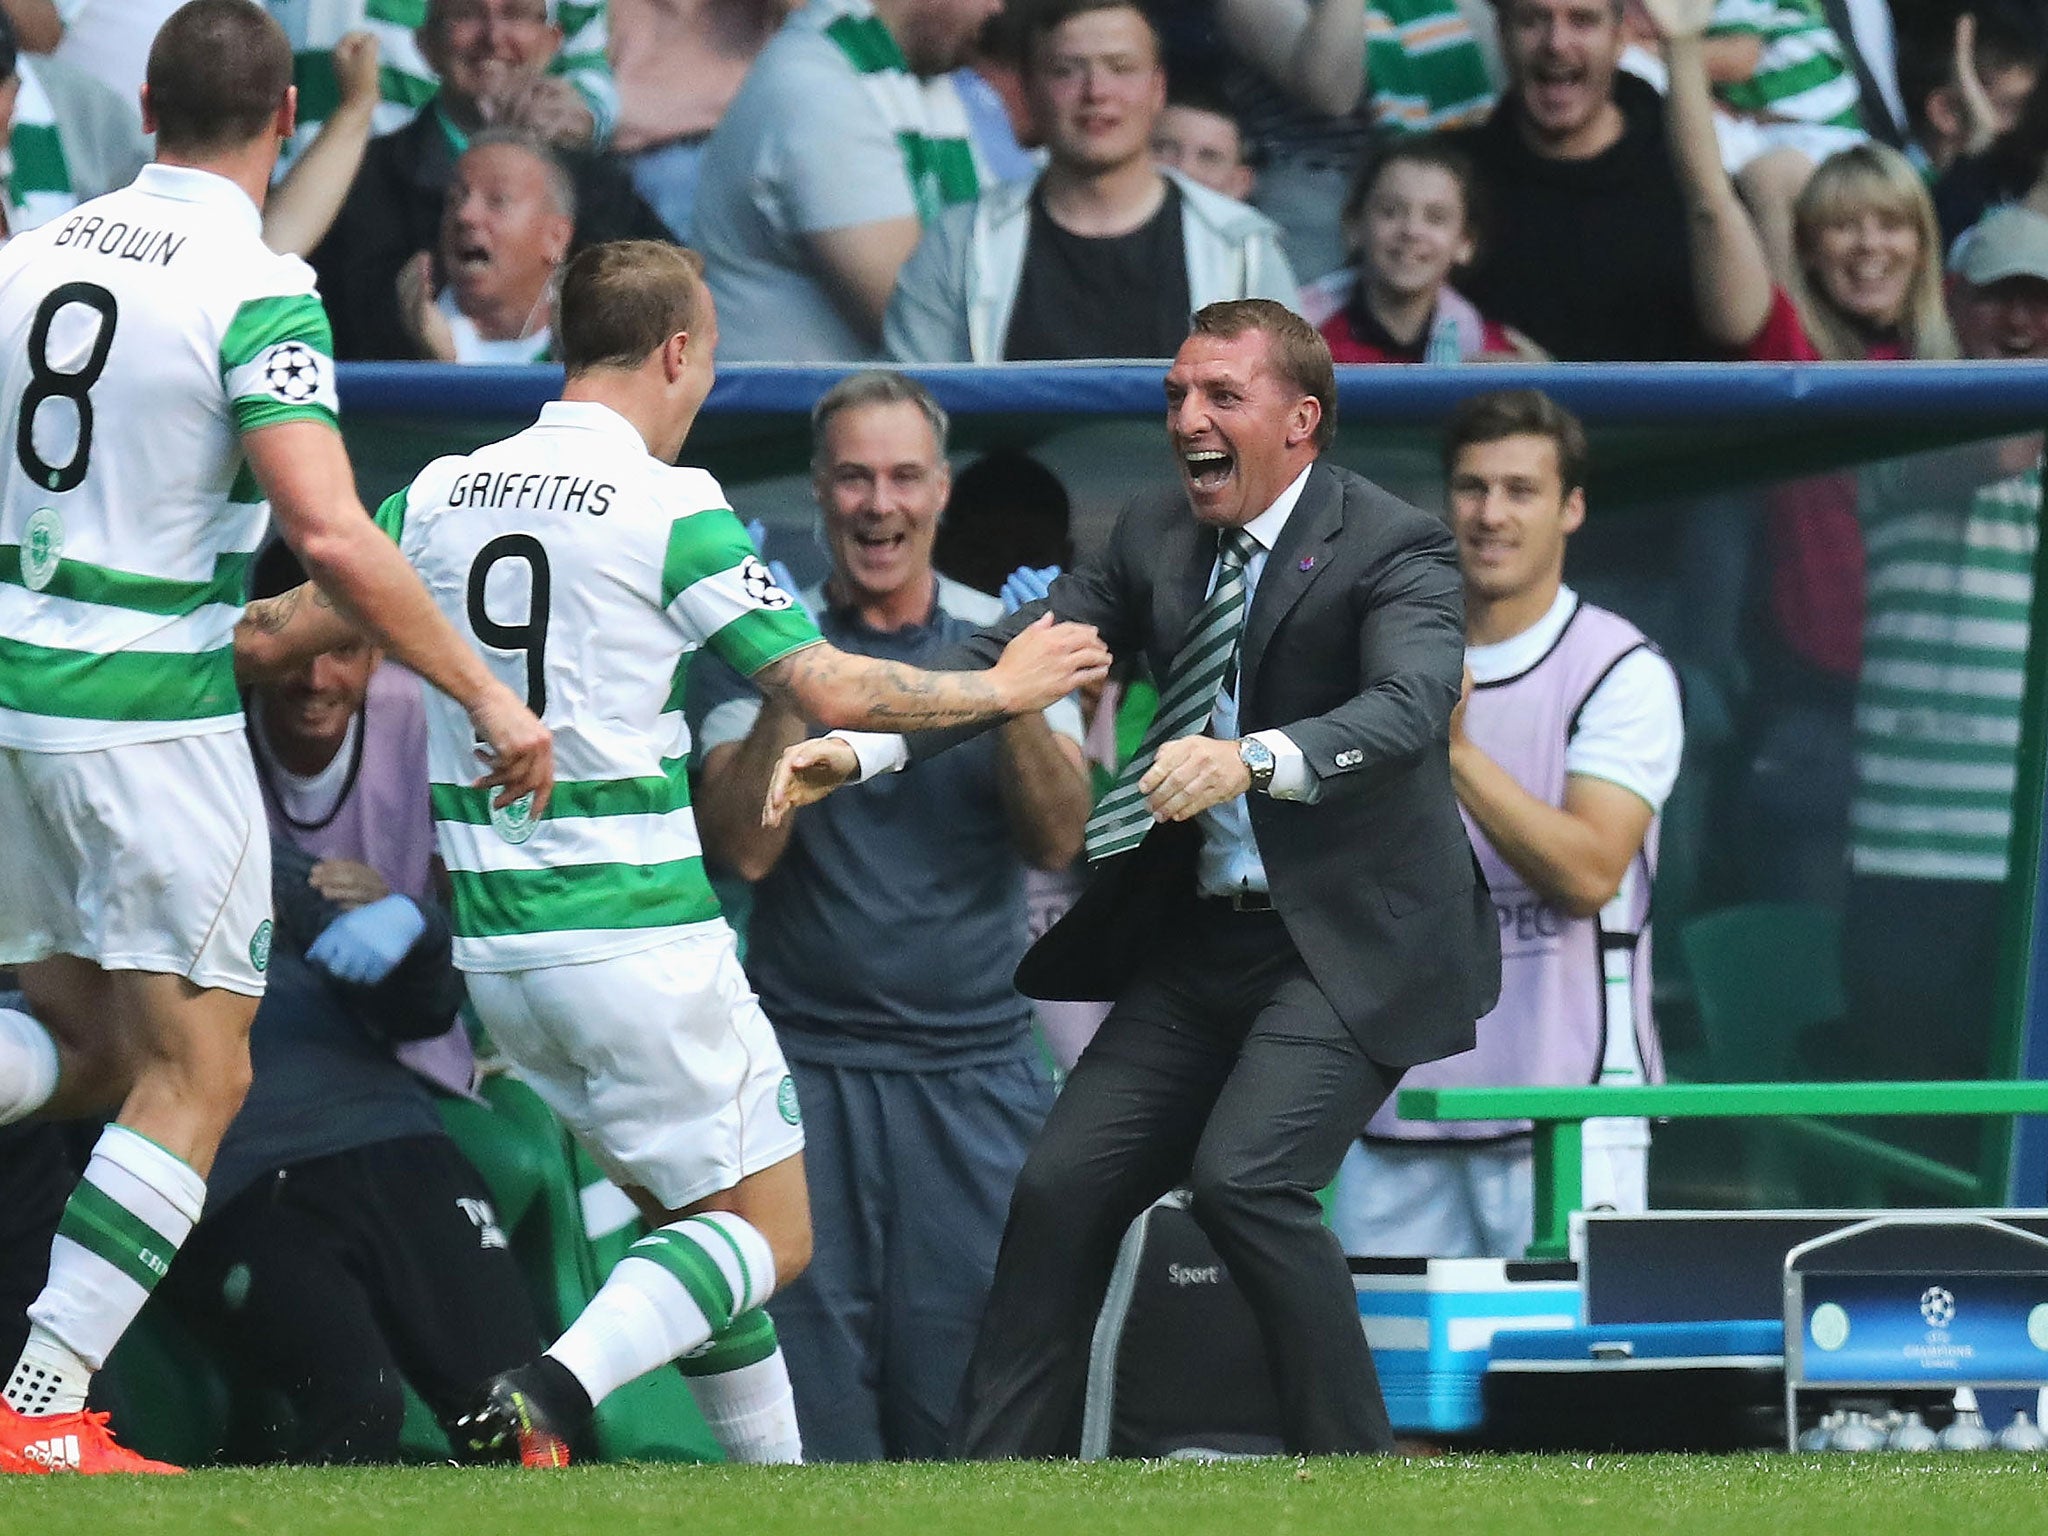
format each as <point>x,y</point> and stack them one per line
<point>587,568</point>
<point>167,374</point>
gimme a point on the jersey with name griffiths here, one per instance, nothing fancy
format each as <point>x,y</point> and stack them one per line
<point>585,571</point>
<point>144,333</point>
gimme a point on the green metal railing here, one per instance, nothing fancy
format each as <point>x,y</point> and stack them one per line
<point>1557,1114</point>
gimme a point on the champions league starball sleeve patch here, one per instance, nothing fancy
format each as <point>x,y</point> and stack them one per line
<point>277,362</point>
<point>760,585</point>
<point>724,595</point>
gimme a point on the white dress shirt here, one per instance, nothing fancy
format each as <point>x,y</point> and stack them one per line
<point>1230,858</point>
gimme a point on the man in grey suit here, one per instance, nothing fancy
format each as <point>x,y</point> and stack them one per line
<point>1286,909</point>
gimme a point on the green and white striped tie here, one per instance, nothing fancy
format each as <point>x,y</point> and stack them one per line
<point>1207,657</point>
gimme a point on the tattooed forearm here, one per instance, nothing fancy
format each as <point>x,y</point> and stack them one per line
<point>862,693</point>
<point>277,633</point>
<point>269,615</point>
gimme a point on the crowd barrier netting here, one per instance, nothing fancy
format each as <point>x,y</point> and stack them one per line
<point>1711,493</point>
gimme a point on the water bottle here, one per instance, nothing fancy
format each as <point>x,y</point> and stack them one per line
<point>1857,1433</point>
<point>1967,1433</point>
<point>1819,1437</point>
<point>1912,1434</point>
<point>2022,1434</point>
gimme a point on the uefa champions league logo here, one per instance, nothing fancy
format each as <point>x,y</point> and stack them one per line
<point>759,584</point>
<point>1937,1306</point>
<point>292,373</point>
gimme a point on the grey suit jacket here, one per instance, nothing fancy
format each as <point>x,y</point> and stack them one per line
<point>1355,647</point>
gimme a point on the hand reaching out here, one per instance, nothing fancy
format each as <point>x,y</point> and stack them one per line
<point>1675,19</point>
<point>1047,661</point>
<point>806,774</point>
<point>365,946</point>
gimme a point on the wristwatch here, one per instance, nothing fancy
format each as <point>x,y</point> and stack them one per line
<point>1259,761</point>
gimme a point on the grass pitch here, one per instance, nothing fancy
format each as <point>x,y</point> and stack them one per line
<point>1760,1495</point>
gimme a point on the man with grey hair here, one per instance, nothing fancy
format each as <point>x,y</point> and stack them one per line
<point>921,1084</point>
<point>505,232</point>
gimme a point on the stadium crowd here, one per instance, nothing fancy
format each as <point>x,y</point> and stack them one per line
<point>905,182</point>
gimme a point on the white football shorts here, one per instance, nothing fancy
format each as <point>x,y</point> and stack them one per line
<point>153,856</point>
<point>661,1062</point>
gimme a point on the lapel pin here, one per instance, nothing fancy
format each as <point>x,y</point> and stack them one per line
<point>1308,563</point>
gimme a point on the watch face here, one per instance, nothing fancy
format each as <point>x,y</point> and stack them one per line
<point>1257,755</point>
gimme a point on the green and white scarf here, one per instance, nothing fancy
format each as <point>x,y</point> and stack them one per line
<point>927,116</point>
<point>38,177</point>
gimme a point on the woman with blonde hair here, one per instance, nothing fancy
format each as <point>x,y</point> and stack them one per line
<point>1866,285</point>
<point>1869,283</point>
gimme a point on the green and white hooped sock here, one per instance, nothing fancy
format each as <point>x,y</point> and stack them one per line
<point>673,1291</point>
<point>28,1066</point>
<point>740,1381</point>
<point>120,1230</point>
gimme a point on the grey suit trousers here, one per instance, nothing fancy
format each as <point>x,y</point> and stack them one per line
<point>1223,1067</point>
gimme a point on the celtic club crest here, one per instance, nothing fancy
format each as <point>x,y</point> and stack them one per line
<point>514,822</point>
<point>42,548</point>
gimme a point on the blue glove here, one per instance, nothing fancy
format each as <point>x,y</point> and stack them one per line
<point>1027,586</point>
<point>365,946</point>
<point>757,532</point>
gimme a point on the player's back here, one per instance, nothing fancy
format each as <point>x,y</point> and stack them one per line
<point>145,331</point>
<point>585,572</point>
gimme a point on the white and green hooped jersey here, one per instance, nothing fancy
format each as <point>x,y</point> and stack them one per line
<point>1803,75</point>
<point>144,333</point>
<point>585,571</point>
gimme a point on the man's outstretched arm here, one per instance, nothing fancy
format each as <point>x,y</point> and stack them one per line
<point>1046,660</point>
<point>276,634</point>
